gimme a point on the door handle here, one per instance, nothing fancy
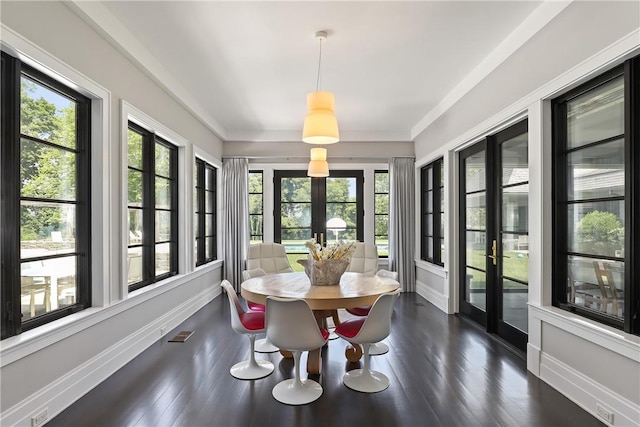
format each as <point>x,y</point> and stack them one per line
<point>494,253</point>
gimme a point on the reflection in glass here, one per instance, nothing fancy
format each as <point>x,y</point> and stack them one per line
<point>596,172</point>
<point>515,160</point>
<point>47,172</point>
<point>515,208</point>
<point>596,115</point>
<point>596,228</point>
<point>476,288</point>
<point>596,285</point>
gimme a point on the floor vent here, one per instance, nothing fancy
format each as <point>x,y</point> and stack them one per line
<point>182,336</point>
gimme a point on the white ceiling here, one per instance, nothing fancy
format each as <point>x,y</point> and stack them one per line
<point>245,67</point>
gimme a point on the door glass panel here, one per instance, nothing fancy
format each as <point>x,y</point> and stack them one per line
<point>475,172</point>
<point>515,160</point>
<point>476,211</point>
<point>515,208</point>
<point>476,249</point>
<point>515,256</point>
<point>476,288</point>
<point>295,190</point>
<point>514,304</point>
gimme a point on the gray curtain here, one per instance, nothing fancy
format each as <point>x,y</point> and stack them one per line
<point>402,226</point>
<point>235,218</point>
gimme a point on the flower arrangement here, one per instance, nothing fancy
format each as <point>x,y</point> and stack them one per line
<point>325,266</point>
<point>341,250</point>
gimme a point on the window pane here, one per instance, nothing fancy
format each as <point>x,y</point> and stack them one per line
<point>382,204</point>
<point>382,225</point>
<point>596,285</point>
<point>382,182</point>
<point>163,160</point>
<point>597,228</point>
<point>475,174</point>
<point>345,211</point>
<point>515,208</point>
<point>47,228</point>
<point>47,285</point>
<point>382,243</point>
<point>208,220</point>
<point>134,187</point>
<point>348,235</point>
<point>429,174</point>
<point>476,249</point>
<point>596,172</point>
<point>210,201</point>
<point>208,178</point>
<point>47,172</point>
<point>255,203</point>
<point>296,237</point>
<point>295,189</point>
<point>134,149</point>
<point>255,182</point>
<point>515,160</point>
<point>295,215</point>
<point>429,224</point>
<point>163,258</point>
<point>134,265</point>
<point>47,115</point>
<point>596,115</point>
<point>255,225</point>
<point>476,212</point>
<point>163,193</point>
<point>163,226</point>
<point>135,226</point>
<point>341,189</point>
<point>515,261</point>
<point>428,201</point>
<point>209,248</point>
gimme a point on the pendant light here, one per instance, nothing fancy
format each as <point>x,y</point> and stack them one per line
<point>318,166</point>
<point>320,125</point>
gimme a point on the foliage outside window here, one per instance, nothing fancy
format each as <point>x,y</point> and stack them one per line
<point>432,212</point>
<point>381,208</point>
<point>45,209</point>
<point>256,200</point>
<point>595,127</point>
<point>152,208</point>
<point>205,212</point>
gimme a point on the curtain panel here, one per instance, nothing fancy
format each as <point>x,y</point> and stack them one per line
<point>235,218</point>
<point>402,227</point>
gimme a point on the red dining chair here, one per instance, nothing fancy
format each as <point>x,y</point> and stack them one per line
<point>262,345</point>
<point>378,348</point>
<point>291,325</point>
<point>249,323</point>
<point>366,331</point>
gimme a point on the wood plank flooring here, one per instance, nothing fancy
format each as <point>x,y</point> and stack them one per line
<point>443,371</point>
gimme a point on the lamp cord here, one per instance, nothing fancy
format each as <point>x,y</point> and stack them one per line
<point>319,62</point>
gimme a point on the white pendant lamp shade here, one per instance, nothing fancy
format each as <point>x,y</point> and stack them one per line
<point>320,125</point>
<point>318,166</point>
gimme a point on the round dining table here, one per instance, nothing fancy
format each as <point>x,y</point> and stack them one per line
<point>354,290</point>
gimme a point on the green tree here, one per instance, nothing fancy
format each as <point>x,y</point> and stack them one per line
<point>600,233</point>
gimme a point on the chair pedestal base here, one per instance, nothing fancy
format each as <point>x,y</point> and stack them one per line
<point>264,346</point>
<point>366,381</point>
<point>249,371</point>
<point>378,348</point>
<point>291,394</point>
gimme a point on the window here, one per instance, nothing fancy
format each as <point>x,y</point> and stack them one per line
<point>256,213</point>
<point>596,173</point>
<point>381,212</point>
<point>432,212</point>
<point>152,208</point>
<point>46,199</point>
<point>205,213</point>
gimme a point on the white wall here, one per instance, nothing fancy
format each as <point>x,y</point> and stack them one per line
<point>51,366</point>
<point>588,362</point>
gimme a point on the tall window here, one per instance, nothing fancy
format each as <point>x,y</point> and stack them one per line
<point>381,208</point>
<point>45,199</point>
<point>432,211</point>
<point>596,175</point>
<point>152,208</point>
<point>256,214</point>
<point>205,212</point>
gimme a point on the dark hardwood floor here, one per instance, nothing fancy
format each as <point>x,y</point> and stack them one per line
<point>443,371</point>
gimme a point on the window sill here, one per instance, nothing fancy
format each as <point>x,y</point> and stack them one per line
<point>32,341</point>
<point>606,336</point>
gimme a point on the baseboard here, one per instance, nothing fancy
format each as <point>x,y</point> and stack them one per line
<point>533,359</point>
<point>62,392</point>
<point>435,298</point>
<point>586,393</point>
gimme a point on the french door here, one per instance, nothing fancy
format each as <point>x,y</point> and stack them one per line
<point>324,209</point>
<point>494,250</point>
